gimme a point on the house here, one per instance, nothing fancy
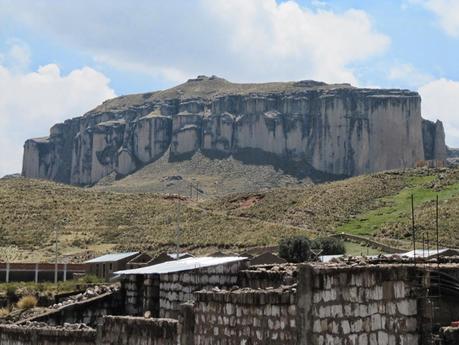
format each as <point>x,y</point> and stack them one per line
<point>267,258</point>
<point>165,257</point>
<point>140,260</point>
<point>162,288</point>
<point>104,266</point>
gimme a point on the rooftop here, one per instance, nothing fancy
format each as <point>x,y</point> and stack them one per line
<point>183,265</point>
<point>111,257</point>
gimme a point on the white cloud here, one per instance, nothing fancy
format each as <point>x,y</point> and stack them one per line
<point>31,102</point>
<point>447,12</point>
<point>409,75</point>
<point>241,40</point>
<point>440,100</point>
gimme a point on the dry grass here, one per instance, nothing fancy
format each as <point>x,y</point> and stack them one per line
<point>99,221</point>
<point>4,312</point>
<point>27,302</point>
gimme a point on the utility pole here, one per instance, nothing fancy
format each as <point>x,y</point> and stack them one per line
<point>413,228</point>
<point>56,255</point>
<point>177,231</point>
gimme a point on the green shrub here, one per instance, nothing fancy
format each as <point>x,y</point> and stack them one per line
<point>27,302</point>
<point>295,249</point>
<point>329,246</point>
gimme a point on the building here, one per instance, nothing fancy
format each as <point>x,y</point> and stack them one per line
<point>161,288</point>
<point>165,257</point>
<point>104,266</point>
<point>140,260</point>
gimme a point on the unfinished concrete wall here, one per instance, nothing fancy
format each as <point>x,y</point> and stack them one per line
<point>17,335</point>
<point>124,330</point>
<point>246,317</point>
<point>358,305</point>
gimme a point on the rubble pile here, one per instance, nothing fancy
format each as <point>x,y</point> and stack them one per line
<point>88,294</point>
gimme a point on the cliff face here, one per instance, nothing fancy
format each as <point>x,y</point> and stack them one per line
<point>331,129</point>
<point>434,140</point>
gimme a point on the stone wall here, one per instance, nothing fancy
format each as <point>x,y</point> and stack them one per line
<point>17,335</point>
<point>163,294</point>
<point>87,312</point>
<point>245,317</point>
<point>361,305</point>
<point>116,330</point>
<point>265,276</point>
<point>177,288</point>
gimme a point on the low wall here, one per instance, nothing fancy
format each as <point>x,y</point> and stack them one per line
<point>358,305</point>
<point>17,335</point>
<point>245,317</point>
<point>87,312</point>
<point>371,243</point>
<point>262,277</point>
<point>126,330</point>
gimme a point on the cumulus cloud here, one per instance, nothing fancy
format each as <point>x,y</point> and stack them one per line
<point>440,100</point>
<point>447,12</point>
<point>254,40</point>
<point>408,75</point>
<point>32,101</point>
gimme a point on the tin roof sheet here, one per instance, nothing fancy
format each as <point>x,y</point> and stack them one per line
<point>183,265</point>
<point>111,257</point>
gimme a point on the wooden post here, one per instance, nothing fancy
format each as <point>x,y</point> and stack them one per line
<point>7,272</point>
<point>36,273</point>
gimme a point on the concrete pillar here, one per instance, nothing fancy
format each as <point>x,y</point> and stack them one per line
<point>65,272</point>
<point>7,273</point>
<point>186,324</point>
<point>36,273</point>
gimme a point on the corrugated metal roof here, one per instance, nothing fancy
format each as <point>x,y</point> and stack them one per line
<point>183,265</point>
<point>111,257</point>
<point>427,253</point>
<point>180,255</point>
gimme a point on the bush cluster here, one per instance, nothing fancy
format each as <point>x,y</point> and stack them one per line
<point>300,249</point>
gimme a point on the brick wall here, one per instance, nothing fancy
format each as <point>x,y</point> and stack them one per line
<point>245,317</point>
<point>358,305</point>
<point>17,335</point>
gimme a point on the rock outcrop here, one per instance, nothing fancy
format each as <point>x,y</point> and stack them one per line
<point>433,135</point>
<point>305,126</point>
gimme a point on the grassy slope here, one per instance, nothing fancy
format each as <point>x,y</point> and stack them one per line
<point>377,206</point>
<point>98,221</point>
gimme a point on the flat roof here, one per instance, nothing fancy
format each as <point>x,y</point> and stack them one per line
<point>111,257</point>
<point>186,264</point>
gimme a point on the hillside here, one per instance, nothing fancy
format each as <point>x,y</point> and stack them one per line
<point>376,206</point>
<point>210,177</point>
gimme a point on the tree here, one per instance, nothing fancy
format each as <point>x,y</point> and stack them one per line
<point>329,246</point>
<point>295,249</point>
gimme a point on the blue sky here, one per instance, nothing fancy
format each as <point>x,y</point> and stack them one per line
<point>60,59</point>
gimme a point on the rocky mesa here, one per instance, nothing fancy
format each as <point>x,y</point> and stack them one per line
<point>305,127</point>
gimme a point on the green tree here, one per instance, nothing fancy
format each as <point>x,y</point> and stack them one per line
<point>329,246</point>
<point>295,249</point>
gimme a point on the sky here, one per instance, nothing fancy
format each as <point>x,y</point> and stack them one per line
<point>59,59</point>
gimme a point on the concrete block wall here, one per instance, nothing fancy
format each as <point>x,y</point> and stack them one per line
<point>178,288</point>
<point>126,330</point>
<point>245,317</point>
<point>371,305</point>
<point>19,335</point>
